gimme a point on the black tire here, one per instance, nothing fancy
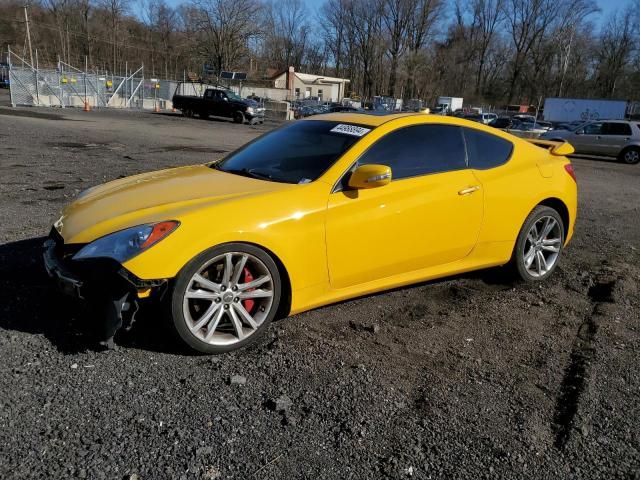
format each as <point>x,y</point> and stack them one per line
<point>630,155</point>
<point>203,115</point>
<point>177,317</point>
<point>518,258</point>
<point>187,113</point>
<point>238,117</point>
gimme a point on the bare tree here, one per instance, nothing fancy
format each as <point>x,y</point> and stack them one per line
<point>396,17</point>
<point>333,23</point>
<point>425,15</point>
<point>487,17</point>
<point>223,29</point>
<point>161,21</point>
<point>527,21</point>
<point>614,53</point>
<point>364,20</point>
<point>115,10</point>
<point>495,51</point>
<point>286,33</point>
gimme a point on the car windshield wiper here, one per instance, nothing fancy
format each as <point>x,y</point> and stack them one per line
<point>248,172</point>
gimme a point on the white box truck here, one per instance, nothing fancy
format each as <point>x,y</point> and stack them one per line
<point>574,109</point>
<point>448,105</point>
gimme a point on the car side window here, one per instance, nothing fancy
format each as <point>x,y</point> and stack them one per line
<point>617,129</point>
<point>485,150</point>
<point>593,129</point>
<point>418,150</point>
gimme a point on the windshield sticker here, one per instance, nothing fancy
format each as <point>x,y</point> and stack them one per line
<point>305,180</point>
<point>350,130</point>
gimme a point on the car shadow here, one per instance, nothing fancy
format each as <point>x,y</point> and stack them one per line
<point>31,303</point>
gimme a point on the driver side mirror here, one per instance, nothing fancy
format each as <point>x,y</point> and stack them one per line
<point>370,176</point>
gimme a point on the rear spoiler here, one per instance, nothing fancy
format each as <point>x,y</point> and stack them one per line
<point>559,149</point>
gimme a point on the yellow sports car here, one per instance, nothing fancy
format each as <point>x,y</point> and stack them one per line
<point>317,211</point>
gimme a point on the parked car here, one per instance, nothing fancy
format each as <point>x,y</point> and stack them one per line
<point>526,129</point>
<point>484,118</point>
<point>219,102</point>
<point>303,111</point>
<point>525,118</point>
<point>544,125</point>
<point>201,241</point>
<point>569,125</point>
<point>517,127</point>
<point>501,122</point>
<point>612,138</point>
<point>343,108</point>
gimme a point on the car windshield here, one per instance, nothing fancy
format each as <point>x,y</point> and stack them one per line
<point>296,153</point>
<point>232,95</point>
<point>574,128</point>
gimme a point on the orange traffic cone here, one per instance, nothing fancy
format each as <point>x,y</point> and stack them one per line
<point>87,107</point>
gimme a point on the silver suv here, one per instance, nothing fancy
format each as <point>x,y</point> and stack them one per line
<point>612,138</point>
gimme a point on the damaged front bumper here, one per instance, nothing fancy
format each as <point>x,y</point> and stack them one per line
<point>100,282</point>
<point>66,281</point>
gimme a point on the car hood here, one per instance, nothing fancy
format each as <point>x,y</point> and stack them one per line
<point>153,197</point>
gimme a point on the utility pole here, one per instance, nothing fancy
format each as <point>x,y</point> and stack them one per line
<point>26,20</point>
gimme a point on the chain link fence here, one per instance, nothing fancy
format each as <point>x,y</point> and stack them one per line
<point>67,86</point>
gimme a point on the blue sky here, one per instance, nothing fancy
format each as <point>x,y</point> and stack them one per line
<point>606,6</point>
<point>610,6</point>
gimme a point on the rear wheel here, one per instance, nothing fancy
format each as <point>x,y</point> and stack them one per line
<point>187,113</point>
<point>630,155</point>
<point>225,298</point>
<point>238,117</point>
<point>539,244</point>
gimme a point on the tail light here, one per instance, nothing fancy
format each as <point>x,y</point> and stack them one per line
<point>569,168</point>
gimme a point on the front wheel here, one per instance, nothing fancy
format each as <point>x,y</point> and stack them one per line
<point>539,245</point>
<point>225,298</point>
<point>238,117</point>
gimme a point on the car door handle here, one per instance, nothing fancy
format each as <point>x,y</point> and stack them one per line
<point>469,190</point>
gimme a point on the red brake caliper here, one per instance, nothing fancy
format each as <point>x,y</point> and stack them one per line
<point>248,304</point>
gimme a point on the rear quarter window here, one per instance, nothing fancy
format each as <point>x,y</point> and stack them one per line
<point>617,129</point>
<point>485,150</point>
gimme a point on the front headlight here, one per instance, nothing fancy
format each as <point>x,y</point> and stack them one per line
<point>128,243</point>
<point>250,110</point>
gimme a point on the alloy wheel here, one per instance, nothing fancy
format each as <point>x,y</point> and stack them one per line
<point>228,298</point>
<point>632,156</point>
<point>542,246</point>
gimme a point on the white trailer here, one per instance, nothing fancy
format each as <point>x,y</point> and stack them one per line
<point>574,109</point>
<point>449,104</point>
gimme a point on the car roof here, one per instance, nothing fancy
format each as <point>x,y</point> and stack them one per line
<point>371,120</point>
<point>378,120</point>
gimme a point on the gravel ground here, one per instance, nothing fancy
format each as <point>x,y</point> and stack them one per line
<point>470,377</point>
